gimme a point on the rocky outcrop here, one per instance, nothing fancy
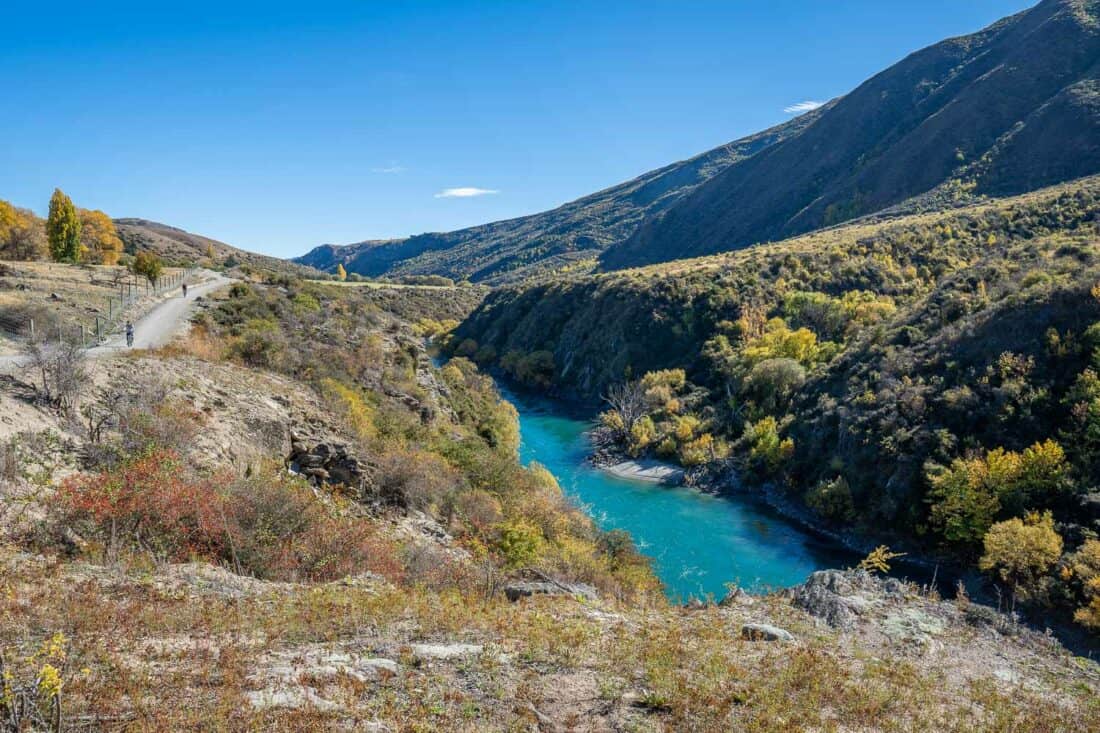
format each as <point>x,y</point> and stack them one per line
<point>327,462</point>
<point>527,588</point>
<point>840,597</point>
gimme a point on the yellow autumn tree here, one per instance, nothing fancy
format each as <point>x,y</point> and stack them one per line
<point>1085,567</point>
<point>779,341</point>
<point>63,228</point>
<point>99,238</point>
<point>341,273</point>
<point>22,234</point>
<point>1021,553</point>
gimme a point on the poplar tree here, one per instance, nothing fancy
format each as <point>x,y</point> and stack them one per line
<point>99,238</point>
<point>63,228</point>
<point>341,273</point>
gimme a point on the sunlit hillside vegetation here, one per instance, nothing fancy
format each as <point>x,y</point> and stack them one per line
<point>933,375</point>
<point>178,246</point>
<point>175,559</point>
<point>442,444</point>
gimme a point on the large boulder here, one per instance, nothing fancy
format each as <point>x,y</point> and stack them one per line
<point>327,462</point>
<point>839,597</point>
<point>765,632</point>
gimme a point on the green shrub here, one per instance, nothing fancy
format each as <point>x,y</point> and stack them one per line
<point>832,500</point>
<point>765,445</point>
<point>520,544</point>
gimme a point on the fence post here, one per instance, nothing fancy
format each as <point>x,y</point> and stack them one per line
<point>83,337</point>
<point>32,329</point>
<point>60,335</point>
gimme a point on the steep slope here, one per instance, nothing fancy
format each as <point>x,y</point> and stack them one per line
<point>177,245</point>
<point>1005,110</point>
<point>868,373</point>
<point>510,250</point>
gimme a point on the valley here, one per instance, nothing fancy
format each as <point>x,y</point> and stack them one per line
<point>800,433</point>
<point>700,543</point>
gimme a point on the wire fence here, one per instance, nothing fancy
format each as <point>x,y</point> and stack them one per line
<point>48,325</point>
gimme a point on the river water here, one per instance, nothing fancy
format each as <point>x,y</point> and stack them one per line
<point>698,542</point>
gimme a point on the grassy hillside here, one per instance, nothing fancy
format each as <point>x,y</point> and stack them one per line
<point>859,367</point>
<point>177,245</point>
<point>568,237</point>
<point>1006,110</point>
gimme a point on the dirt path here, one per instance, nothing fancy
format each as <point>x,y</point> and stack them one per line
<point>156,328</point>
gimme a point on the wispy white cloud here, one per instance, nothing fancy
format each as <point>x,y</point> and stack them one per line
<point>801,107</point>
<point>391,168</point>
<point>464,192</point>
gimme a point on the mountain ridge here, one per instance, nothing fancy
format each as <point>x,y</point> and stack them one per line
<point>1011,108</point>
<point>978,113</point>
<point>176,244</point>
<point>558,238</point>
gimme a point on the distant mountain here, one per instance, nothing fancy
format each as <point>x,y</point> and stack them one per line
<point>1009,109</point>
<point>1003,111</point>
<point>174,244</point>
<point>517,248</point>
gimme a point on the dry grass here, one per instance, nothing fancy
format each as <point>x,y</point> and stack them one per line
<point>72,295</point>
<point>847,235</point>
<point>148,655</point>
<point>383,285</point>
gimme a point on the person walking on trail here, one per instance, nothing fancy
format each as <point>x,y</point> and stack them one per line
<point>185,290</point>
<point>129,334</point>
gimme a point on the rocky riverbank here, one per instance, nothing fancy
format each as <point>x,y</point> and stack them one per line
<point>607,456</point>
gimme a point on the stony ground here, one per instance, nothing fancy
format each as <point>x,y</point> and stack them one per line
<point>199,647</point>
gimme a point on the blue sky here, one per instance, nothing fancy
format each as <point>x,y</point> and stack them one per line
<point>277,127</point>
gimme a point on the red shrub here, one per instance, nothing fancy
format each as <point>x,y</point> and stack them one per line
<point>152,505</point>
<point>269,526</point>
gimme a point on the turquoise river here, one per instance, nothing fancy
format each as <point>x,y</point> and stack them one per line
<point>698,542</point>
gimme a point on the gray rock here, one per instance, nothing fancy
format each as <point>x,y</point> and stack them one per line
<point>445,651</point>
<point>527,588</point>
<point>893,588</point>
<point>734,596</point>
<point>836,596</point>
<point>765,632</point>
<point>294,697</point>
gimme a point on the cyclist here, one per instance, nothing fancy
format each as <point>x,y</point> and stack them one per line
<point>129,334</point>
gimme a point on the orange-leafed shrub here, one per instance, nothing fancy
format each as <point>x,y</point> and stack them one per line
<point>270,526</point>
<point>148,504</point>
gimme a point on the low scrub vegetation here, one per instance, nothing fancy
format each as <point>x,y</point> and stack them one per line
<point>454,457</point>
<point>267,525</point>
<point>934,376</point>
